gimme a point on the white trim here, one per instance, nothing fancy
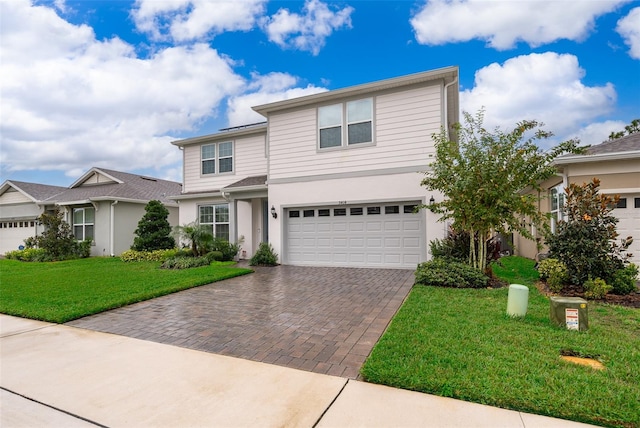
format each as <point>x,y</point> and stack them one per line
<point>367,88</point>
<point>566,160</point>
<point>353,174</point>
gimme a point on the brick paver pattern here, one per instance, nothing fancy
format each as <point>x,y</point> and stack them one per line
<point>319,319</point>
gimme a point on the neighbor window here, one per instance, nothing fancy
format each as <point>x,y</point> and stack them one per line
<point>216,217</point>
<point>83,223</point>
<point>556,198</point>
<point>220,154</point>
<point>358,117</point>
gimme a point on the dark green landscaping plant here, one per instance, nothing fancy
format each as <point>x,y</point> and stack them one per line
<point>154,230</point>
<point>265,256</point>
<point>448,273</point>
<point>586,241</point>
<point>227,249</point>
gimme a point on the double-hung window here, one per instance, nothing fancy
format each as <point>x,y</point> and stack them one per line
<point>217,158</point>
<point>345,124</point>
<point>83,223</point>
<point>217,218</point>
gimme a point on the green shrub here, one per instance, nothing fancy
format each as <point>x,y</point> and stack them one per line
<point>586,242</point>
<point>228,250</point>
<point>596,288</point>
<point>446,273</point>
<point>28,255</point>
<point>624,280</point>
<point>214,256</point>
<point>154,230</point>
<point>148,256</point>
<point>185,262</point>
<point>554,272</point>
<point>265,256</point>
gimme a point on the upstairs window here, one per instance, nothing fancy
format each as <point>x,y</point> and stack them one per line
<point>217,158</point>
<point>330,123</point>
<point>345,124</point>
<point>83,222</point>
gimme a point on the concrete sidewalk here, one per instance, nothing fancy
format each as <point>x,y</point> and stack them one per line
<point>60,376</point>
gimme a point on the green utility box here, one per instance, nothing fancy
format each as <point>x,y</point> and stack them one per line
<point>570,312</point>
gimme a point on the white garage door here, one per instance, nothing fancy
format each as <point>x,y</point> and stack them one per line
<point>628,213</point>
<point>389,235</point>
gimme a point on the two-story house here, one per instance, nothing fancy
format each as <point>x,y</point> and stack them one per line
<point>330,179</point>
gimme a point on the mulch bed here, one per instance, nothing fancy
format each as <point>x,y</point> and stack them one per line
<point>631,300</point>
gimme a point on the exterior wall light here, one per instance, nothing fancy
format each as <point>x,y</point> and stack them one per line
<point>432,200</point>
<point>274,214</point>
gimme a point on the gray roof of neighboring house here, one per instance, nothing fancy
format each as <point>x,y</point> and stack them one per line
<point>39,192</point>
<point>623,144</point>
<point>129,187</point>
<point>627,147</point>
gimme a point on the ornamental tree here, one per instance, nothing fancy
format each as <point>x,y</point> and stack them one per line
<point>586,241</point>
<point>154,230</point>
<point>489,179</point>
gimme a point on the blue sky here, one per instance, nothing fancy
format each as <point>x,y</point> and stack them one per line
<point>112,83</point>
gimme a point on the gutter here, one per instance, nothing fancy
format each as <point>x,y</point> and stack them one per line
<point>565,160</point>
<point>112,231</point>
<point>446,107</point>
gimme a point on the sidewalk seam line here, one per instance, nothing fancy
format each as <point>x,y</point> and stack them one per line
<point>29,331</point>
<point>54,408</point>
<point>331,404</point>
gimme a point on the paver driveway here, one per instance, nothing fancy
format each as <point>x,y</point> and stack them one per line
<point>324,320</point>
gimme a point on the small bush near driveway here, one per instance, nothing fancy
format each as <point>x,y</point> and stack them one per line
<point>448,273</point>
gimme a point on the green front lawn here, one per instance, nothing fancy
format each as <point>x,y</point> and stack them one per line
<point>460,343</point>
<point>63,291</point>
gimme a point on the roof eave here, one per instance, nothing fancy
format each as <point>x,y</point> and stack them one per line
<point>188,196</point>
<point>219,136</point>
<point>566,160</point>
<point>410,79</point>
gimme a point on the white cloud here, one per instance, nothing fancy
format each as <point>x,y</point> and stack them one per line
<point>307,31</point>
<point>629,28</point>
<point>596,133</point>
<point>186,20</point>
<point>70,101</point>
<point>544,87</point>
<point>502,24</point>
<point>262,90</point>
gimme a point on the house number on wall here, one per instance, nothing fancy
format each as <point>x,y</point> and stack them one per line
<point>342,202</point>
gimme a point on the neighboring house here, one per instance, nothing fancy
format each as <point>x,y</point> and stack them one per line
<point>330,179</point>
<point>616,164</point>
<point>103,205</point>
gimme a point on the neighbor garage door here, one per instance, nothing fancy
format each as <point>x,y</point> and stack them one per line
<point>628,213</point>
<point>390,235</point>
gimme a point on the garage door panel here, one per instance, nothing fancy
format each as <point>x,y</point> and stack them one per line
<point>411,225</point>
<point>375,235</point>
<point>374,242</point>
<point>392,242</point>
<point>323,227</point>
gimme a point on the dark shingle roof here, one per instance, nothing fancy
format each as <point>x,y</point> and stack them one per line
<point>39,192</point>
<point>619,145</point>
<point>132,186</point>
<point>258,180</point>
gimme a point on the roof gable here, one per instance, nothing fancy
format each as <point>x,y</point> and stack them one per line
<point>33,191</point>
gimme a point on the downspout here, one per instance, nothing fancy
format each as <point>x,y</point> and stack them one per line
<point>112,231</point>
<point>446,107</point>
